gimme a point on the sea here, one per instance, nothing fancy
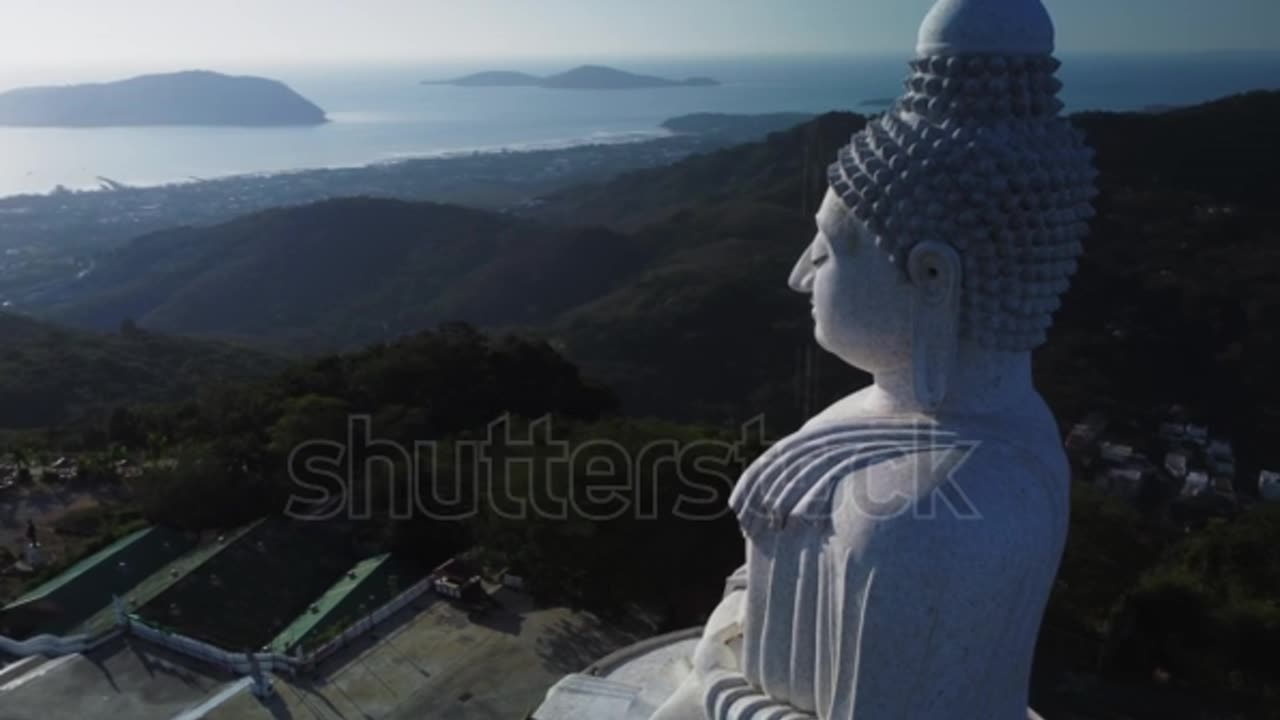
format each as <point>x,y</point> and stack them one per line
<point>385,113</point>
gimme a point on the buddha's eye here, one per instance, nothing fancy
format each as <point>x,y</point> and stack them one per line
<point>820,253</point>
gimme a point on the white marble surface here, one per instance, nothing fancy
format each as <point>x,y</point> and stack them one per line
<point>997,27</point>
<point>619,695</point>
<point>630,690</point>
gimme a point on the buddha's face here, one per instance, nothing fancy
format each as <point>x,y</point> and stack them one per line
<point>861,300</point>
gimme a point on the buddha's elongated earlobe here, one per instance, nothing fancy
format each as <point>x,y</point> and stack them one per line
<point>935,272</point>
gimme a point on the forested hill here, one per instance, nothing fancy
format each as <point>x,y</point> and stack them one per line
<point>683,308</point>
<point>51,375</point>
<point>1225,149</point>
<point>344,273</point>
<point>766,172</point>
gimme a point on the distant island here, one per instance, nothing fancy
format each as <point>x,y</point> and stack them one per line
<point>748,126</point>
<point>184,98</point>
<point>586,77</point>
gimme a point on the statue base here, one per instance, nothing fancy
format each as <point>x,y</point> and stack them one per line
<point>630,684</point>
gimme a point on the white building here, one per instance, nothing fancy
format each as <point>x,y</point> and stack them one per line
<point>1112,452</point>
<point>1173,432</point>
<point>1176,464</point>
<point>1198,434</point>
<point>1197,482</point>
<point>1085,433</point>
<point>1269,486</point>
<point>454,579</point>
<point>1222,468</point>
<point>1124,482</point>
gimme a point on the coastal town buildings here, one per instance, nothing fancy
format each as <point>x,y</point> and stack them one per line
<point>1192,462</point>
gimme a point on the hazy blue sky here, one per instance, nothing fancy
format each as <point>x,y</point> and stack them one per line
<point>170,33</point>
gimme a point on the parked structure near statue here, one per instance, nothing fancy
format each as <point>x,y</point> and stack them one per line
<point>901,546</point>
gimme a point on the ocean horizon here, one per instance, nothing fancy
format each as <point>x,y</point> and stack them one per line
<point>384,113</point>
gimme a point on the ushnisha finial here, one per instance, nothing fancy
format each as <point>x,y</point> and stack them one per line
<point>986,27</point>
<point>976,154</point>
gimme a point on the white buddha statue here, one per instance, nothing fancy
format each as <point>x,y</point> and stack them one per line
<point>901,546</point>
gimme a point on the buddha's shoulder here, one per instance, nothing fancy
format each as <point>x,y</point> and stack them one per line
<point>955,477</point>
<point>850,408</point>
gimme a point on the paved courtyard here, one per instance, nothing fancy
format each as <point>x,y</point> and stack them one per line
<point>438,661</point>
<point>121,680</point>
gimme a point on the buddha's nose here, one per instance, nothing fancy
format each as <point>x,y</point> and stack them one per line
<point>801,279</point>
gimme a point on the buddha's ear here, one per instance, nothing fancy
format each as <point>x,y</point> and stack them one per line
<point>936,277</point>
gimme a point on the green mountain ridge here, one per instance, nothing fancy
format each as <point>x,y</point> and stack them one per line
<point>51,375</point>
<point>787,169</point>
<point>344,273</point>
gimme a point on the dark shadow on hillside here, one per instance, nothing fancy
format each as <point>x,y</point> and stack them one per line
<point>569,646</point>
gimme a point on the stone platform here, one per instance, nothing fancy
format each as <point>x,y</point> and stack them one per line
<point>628,685</point>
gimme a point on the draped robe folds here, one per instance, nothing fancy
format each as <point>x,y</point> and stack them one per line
<point>896,568</point>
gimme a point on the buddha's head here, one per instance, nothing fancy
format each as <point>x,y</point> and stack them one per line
<point>954,220</point>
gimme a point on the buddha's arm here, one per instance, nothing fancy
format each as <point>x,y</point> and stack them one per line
<point>722,637</point>
<point>715,655</point>
<point>721,690</point>
<point>944,605</point>
<point>927,643</point>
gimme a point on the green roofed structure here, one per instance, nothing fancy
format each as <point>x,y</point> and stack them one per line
<point>61,605</point>
<point>245,595</point>
<point>371,584</point>
<point>164,578</point>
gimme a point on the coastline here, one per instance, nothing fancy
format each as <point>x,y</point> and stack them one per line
<point>377,115</point>
<point>51,238</point>
<point>602,139</point>
<point>610,138</point>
